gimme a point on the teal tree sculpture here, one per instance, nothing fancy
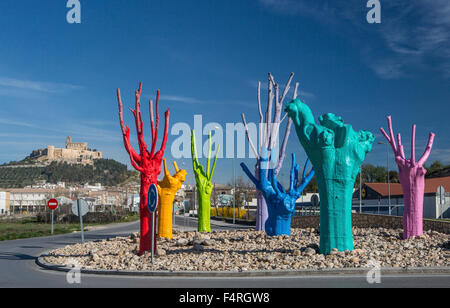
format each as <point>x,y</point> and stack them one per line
<point>336,152</point>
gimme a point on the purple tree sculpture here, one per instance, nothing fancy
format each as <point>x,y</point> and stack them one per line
<point>412,178</point>
<point>268,134</point>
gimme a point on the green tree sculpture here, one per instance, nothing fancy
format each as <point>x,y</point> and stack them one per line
<point>204,185</point>
<point>336,152</point>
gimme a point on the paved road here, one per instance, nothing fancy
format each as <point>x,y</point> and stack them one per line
<point>18,268</point>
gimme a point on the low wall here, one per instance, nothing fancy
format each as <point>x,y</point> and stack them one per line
<point>374,221</point>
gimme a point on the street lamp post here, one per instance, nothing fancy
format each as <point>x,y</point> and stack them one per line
<point>389,180</point>
<point>234,194</point>
<point>360,191</point>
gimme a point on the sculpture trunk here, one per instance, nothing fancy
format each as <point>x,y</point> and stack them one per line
<point>145,218</point>
<point>335,214</point>
<point>167,189</point>
<point>261,212</point>
<point>165,215</point>
<point>278,224</point>
<point>413,192</point>
<point>204,212</point>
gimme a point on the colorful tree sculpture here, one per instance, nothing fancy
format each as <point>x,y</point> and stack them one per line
<point>167,188</point>
<point>412,178</point>
<point>204,185</point>
<point>147,163</point>
<point>268,134</point>
<point>280,204</point>
<point>336,152</point>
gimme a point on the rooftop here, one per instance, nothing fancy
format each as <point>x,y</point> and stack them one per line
<point>431,186</point>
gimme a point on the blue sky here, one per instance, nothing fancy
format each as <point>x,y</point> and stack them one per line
<point>59,79</point>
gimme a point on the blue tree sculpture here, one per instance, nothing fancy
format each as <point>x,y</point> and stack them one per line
<point>280,204</point>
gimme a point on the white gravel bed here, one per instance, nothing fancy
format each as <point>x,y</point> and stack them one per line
<point>252,250</point>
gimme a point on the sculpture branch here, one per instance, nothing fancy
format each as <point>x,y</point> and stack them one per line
<point>152,120</point>
<point>427,152</point>
<point>155,138</point>
<point>126,133</point>
<point>261,118</point>
<point>166,133</point>
<point>248,137</point>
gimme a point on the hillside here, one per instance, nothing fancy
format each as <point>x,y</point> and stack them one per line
<point>108,172</point>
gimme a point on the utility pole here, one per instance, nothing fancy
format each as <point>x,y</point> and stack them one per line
<point>388,178</point>
<point>195,197</point>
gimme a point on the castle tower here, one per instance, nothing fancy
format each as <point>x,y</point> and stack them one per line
<point>68,141</point>
<point>51,152</point>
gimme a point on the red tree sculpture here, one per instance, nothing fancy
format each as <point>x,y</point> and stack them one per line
<point>147,163</point>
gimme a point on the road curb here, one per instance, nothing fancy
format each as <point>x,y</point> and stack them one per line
<point>281,273</point>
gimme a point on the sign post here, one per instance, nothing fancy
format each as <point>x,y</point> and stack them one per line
<point>52,205</point>
<point>80,208</point>
<point>152,204</point>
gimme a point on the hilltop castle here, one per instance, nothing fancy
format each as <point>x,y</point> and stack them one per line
<point>74,153</point>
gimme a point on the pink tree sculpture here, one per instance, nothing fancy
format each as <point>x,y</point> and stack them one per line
<point>412,178</point>
<point>147,163</point>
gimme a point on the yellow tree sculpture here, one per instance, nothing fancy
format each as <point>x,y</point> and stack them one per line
<point>167,188</point>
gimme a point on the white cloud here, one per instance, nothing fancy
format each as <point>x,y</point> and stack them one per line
<point>418,33</point>
<point>412,31</point>
<point>16,123</point>
<point>387,68</point>
<point>181,99</point>
<point>37,86</point>
<point>443,155</point>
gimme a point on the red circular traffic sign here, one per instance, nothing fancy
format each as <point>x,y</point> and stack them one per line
<point>52,204</point>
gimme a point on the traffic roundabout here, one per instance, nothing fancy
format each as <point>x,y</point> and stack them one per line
<point>245,253</point>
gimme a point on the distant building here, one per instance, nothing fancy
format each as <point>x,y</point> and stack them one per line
<point>34,200</point>
<point>29,200</point>
<point>73,153</point>
<point>377,194</point>
<point>4,203</point>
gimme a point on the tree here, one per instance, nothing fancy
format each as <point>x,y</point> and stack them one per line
<point>268,134</point>
<point>435,166</point>
<point>280,203</point>
<point>412,177</point>
<point>167,188</point>
<point>147,163</point>
<point>336,152</point>
<point>376,174</point>
<point>204,185</point>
